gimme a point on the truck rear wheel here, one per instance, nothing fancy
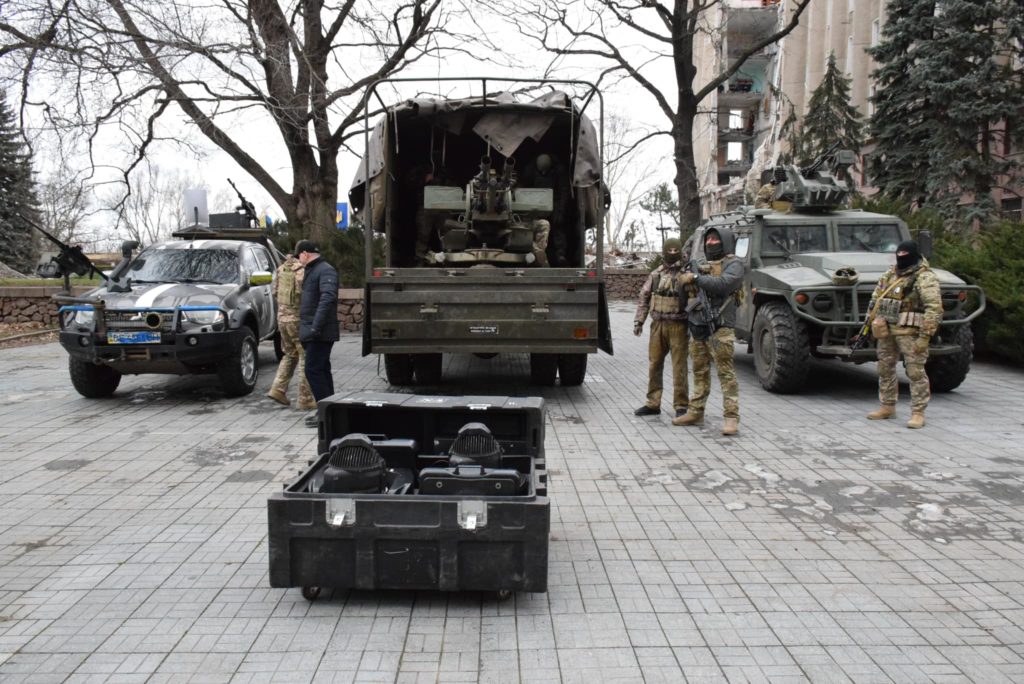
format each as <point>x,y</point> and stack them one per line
<point>91,380</point>
<point>946,373</point>
<point>398,369</point>
<point>427,368</point>
<point>782,352</point>
<point>238,372</point>
<point>572,368</point>
<point>543,369</point>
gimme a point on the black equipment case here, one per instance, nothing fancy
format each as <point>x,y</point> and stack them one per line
<point>451,538</point>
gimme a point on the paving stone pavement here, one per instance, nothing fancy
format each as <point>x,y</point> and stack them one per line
<point>815,546</point>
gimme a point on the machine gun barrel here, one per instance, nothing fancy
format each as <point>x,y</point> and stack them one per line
<point>70,258</point>
<point>248,207</point>
<point>817,163</point>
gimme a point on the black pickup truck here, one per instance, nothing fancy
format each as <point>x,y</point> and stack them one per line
<point>198,304</point>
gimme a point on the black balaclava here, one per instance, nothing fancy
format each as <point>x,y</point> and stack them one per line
<point>713,252</point>
<point>911,258</point>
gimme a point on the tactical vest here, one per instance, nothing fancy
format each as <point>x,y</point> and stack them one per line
<point>289,291</point>
<point>902,305</point>
<point>715,268</point>
<point>663,296</point>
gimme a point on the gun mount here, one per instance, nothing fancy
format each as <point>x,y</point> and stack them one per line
<point>815,187</point>
<point>69,260</point>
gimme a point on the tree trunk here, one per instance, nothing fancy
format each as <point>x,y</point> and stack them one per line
<point>686,176</point>
<point>314,199</point>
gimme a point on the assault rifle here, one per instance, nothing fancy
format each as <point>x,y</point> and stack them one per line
<point>70,260</point>
<point>700,312</point>
<point>860,340</point>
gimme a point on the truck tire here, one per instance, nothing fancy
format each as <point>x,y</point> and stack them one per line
<point>398,369</point>
<point>572,368</point>
<point>946,373</point>
<point>238,372</point>
<point>427,368</point>
<point>782,352</point>
<point>91,380</point>
<point>543,369</point>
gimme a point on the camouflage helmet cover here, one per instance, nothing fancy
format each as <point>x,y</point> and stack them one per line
<point>671,243</point>
<point>845,275</point>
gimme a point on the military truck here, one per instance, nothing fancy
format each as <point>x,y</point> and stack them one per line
<point>198,304</point>
<point>463,191</point>
<point>811,269</point>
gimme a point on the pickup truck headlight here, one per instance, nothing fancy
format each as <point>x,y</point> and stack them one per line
<point>85,318</point>
<point>203,317</point>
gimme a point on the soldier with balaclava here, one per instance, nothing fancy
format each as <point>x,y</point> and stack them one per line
<point>659,298</point>
<point>905,311</point>
<point>713,332</point>
<point>547,172</point>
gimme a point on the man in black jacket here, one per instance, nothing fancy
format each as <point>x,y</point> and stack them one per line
<point>318,319</point>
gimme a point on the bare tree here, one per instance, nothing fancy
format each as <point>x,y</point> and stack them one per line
<point>625,172</point>
<point>154,209</point>
<point>301,69</point>
<point>64,202</point>
<point>630,36</point>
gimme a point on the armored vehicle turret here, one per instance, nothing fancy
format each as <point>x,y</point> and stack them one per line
<point>812,266</point>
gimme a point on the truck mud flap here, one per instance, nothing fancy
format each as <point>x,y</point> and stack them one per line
<point>366,320</point>
<point>604,325</point>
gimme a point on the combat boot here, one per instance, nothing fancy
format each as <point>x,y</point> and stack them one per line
<point>730,426</point>
<point>882,412</point>
<point>689,418</point>
<point>279,396</point>
<point>916,421</point>
<point>306,404</point>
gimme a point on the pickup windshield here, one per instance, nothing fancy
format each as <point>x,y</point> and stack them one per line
<point>869,237</point>
<point>185,265</point>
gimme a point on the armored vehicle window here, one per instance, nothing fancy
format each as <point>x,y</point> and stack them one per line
<point>263,259</point>
<point>786,240</point>
<point>742,246</point>
<point>869,237</point>
<point>185,265</point>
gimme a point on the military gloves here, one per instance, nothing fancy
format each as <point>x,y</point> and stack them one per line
<point>921,344</point>
<point>686,278</point>
<point>638,328</point>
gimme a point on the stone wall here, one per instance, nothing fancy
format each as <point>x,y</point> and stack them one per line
<point>32,304</point>
<point>624,283</point>
<point>36,305</point>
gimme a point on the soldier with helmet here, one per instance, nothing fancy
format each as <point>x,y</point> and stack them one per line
<point>713,332</point>
<point>659,297</point>
<point>905,310</point>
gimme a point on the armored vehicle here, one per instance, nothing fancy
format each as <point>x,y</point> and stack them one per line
<point>487,205</point>
<point>811,270</point>
<point>197,304</point>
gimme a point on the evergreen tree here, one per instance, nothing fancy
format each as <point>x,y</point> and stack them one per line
<point>949,89</point>
<point>17,195</point>
<point>661,200</point>
<point>796,147</point>
<point>901,124</point>
<point>830,116</point>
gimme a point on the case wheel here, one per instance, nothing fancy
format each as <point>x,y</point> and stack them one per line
<point>310,593</point>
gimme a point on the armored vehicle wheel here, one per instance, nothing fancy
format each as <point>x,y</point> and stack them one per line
<point>946,373</point>
<point>543,369</point>
<point>572,368</point>
<point>239,371</point>
<point>398,369</point>
<point>782,353</point>
<point>427,368</point>
<point>310,593</point>
<point>278,348</point>
<point>91,380</point>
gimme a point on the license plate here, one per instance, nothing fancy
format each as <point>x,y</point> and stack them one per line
<point>134,337</point>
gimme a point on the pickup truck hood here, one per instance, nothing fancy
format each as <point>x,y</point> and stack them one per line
<point>816,268</point>
<point>166,295</point>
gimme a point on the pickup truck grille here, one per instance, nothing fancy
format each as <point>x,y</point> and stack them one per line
<point>137,320</point>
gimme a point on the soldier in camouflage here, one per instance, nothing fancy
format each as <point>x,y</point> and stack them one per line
<point>905,310</point>
<point>721,276</point>
<point>287,291</point>
<point>659,297</point>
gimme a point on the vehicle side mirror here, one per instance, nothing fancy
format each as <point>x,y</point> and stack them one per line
<point>924,243</point>
<point>261,278</point>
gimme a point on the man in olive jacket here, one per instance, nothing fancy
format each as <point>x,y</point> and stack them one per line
<point>318,319</point>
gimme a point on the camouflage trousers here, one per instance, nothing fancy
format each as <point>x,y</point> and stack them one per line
<point>889,350</point>
<point>294,357</point>
<point>667,337</point>
<point>717,348</point>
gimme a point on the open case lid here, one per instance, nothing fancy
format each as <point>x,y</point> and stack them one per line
<point>434,421</point>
